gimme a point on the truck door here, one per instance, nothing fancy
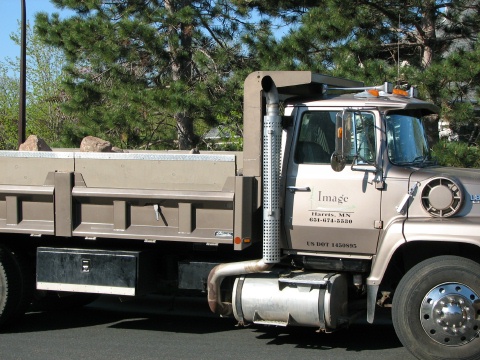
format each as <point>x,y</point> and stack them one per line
<point>328,211</point>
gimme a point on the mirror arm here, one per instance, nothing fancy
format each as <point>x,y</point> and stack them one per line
<point>375,168</point>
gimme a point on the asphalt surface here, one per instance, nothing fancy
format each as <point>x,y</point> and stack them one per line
<point>179,328</point>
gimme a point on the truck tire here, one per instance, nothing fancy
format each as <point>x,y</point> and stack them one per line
<point>16,286</point>
<point>436,309</point>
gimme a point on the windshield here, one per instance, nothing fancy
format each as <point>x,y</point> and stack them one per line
<point>407,143</point>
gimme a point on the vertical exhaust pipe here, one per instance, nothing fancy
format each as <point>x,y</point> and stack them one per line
<point>272,139</point>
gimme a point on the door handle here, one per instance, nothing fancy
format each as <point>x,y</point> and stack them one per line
<point>293,189</point>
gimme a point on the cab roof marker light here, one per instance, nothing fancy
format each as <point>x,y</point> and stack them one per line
<point>400,92</point>
<point>412,92</point>
<point>370,93</point>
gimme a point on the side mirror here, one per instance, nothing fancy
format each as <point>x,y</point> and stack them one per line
<point>337,162</point>
<point>355,141</point>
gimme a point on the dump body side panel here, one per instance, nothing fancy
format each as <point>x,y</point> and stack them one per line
<point>146,196</point>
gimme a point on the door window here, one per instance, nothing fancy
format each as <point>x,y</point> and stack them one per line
<point>316,139</point>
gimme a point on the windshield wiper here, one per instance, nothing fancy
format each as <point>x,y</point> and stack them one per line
<point>422,160</point>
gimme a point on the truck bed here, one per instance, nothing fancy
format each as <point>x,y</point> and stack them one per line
<point>136,195</point>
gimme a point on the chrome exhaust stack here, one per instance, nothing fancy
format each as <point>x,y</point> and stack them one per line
<point>272,142</point>
<point>272,139</point>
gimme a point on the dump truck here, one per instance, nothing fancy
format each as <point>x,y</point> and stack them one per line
<point>333,210</point>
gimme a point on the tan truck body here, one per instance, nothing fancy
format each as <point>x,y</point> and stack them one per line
<point>360,216</point>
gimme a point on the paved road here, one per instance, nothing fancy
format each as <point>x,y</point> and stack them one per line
<point>158,328</point>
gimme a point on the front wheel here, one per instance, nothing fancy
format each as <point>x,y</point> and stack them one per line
<point>436,309</point>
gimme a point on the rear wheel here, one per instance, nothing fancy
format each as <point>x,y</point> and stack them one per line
<point>436,309</point>
<point>16,286</point>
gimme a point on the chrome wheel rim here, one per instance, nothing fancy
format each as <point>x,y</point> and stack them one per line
<point>450,314</point>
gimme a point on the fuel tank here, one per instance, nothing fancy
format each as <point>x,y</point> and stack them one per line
<point>299,299</point>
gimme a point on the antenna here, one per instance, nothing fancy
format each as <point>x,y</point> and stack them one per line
<point>398,51</point>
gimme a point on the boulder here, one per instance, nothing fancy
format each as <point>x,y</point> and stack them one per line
<point>34,143</point>
<point>94,144</point>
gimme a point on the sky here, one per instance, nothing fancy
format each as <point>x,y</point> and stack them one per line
<point>10,15</point>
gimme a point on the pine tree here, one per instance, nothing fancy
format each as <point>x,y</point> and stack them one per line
<point>142,72</point>
<point>429,43</point>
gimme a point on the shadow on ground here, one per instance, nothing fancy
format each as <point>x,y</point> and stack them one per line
<point>192,316</point>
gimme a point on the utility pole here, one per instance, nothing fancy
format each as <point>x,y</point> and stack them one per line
<point>23,76</point>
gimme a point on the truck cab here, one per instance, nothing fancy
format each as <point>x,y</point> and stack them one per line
<point>383,144</point>
<point>360,184</point>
